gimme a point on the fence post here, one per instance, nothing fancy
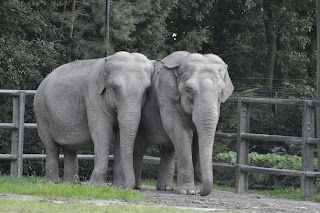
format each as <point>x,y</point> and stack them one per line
<point>17,138</point>
<point>308,131</point>
<point>243,126</point>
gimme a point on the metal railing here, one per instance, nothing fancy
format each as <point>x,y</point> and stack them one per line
<point>242,136</point>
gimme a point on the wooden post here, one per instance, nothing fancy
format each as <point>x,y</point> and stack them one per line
<point>15,134</point>
<point>242,146</point>
<point>18,134</point>
<point>308,131</point>
<point>318,78</point>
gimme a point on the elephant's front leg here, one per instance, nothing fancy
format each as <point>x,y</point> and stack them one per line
<point>185,176</point>
<point>181,137</point>
<point>196,163</point>
<point>101,136</point>
<point>118,175</point>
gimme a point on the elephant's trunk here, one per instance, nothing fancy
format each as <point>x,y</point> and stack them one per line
<point>129,119</point>
<point>205,116</point>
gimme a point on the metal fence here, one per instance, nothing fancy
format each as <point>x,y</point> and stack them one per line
<point>242,136</point>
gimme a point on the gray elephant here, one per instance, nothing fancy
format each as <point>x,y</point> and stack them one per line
<point>181,113</point>
<point>79,105</point>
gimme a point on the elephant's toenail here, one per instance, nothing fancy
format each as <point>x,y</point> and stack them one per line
<point>183,192</point>
<point>168,188</point>
<point>192,192</point>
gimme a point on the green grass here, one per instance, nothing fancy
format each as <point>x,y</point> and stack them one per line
<point>149,182</point>
<point>36,206</point>
<point>288,193</point>
<point>37,186</point>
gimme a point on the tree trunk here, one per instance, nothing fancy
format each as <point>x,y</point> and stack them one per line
<point>62,24</point>
<point>73,18</point>
<point>271,44</point>
<point>311,49</point>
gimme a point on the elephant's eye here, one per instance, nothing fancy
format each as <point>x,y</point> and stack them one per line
<point>189,89</point>
<point>115,88</point>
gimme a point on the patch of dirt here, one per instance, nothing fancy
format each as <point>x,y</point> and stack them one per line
<point>217,200</point>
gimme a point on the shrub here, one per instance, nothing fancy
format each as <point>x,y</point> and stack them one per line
<point>262,160</point>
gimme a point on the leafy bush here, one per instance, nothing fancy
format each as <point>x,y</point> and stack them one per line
<point>262,160</point>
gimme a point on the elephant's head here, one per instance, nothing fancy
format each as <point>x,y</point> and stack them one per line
<point>124,80</point>
<point>200,83</point>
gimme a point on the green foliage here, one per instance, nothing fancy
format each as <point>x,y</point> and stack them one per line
<point>291,162</point>
<point>301,90</point>
<point>26,45</point>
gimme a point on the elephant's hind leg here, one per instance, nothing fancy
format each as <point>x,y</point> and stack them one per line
<point>52,152</point>
<point>52,163</point>
<point>140,148</point>
<point>70,166</point>
<point>167,164</point>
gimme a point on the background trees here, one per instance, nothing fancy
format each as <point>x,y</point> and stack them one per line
<point>266,41</point>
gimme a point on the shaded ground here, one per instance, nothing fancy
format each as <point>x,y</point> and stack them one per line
<point>217,200</point>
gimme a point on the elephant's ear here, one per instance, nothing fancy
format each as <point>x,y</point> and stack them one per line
<point>168,82</point>
<point>228,85</point>
<point>102,76</point>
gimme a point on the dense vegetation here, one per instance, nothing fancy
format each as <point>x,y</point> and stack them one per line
<point>267,44</point>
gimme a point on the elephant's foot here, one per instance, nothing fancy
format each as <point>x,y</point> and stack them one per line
<point>97,180</point>
<point>164,186</point>
<point>186,189</point>
<point>199,186</point>
<point>137,186</point>
<point>123,186</point>
<point>74,179</point>
<point>53,179</point>
<point>118,183</point>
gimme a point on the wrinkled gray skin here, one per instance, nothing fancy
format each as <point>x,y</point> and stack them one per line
<point>181,112</point>
<point>80,104</point>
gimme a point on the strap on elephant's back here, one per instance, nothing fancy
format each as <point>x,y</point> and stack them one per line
<point>157,67</point>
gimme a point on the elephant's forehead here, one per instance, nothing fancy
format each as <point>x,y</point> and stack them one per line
<point>129,66</point>
<point>200,67</point>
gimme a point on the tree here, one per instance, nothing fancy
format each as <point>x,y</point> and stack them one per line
<point>26,43</point>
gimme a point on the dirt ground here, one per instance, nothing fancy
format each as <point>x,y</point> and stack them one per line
<point>217,200</point>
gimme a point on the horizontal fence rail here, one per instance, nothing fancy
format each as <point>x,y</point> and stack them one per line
<point>242,138</point>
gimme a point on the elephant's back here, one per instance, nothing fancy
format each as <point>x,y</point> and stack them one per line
<point>73,72</point>
<point>68,80</point>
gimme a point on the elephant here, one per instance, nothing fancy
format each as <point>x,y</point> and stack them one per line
<point>79,105</point>
<point>180,115</point>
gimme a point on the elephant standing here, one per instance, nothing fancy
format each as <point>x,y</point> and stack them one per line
<point>181,113</point>
<point>79,105</point>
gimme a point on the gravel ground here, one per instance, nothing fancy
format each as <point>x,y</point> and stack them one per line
<point>217,200</point>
